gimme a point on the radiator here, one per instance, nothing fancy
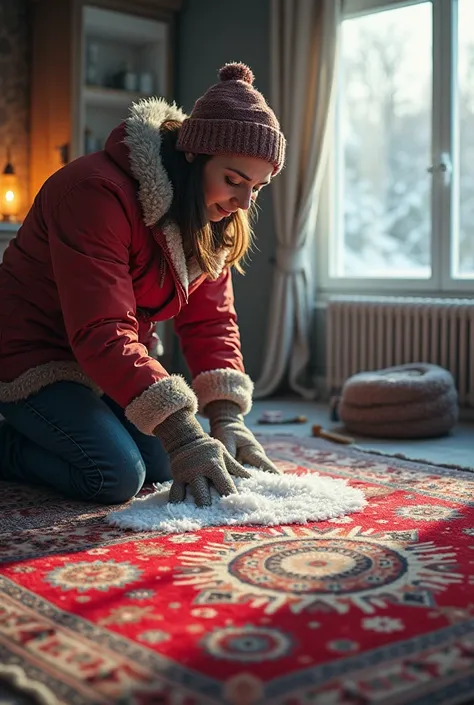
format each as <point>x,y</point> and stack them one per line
<point>368,333</point>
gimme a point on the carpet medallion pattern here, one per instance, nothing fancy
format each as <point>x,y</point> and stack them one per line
<point>373,607</point>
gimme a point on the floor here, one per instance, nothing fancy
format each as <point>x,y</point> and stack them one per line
<point>455,449</point>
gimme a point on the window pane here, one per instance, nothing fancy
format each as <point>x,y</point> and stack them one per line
<point>384,145</point>
<point>463,221</point>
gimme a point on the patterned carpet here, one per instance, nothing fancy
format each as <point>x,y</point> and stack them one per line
<point>375,607</point>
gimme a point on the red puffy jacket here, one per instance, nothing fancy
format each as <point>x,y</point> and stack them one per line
<point>88,274</point>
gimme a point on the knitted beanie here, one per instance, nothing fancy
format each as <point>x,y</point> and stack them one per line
<point>232,117</point>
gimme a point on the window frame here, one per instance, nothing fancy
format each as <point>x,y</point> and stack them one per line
<point>444,140</point>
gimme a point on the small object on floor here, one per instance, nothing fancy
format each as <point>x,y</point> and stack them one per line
<point>263,498</point>
<point>276,417</point>
<point>331,435</point>
<point>271,416</point>
<point>334,408</point>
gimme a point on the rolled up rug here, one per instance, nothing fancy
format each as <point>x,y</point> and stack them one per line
<point>416,400</point>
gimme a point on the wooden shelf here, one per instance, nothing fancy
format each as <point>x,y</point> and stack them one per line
<point>138,33</point>
<point>106,24</point>
<point>110,97</point>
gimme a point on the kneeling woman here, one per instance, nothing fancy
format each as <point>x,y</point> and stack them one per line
<point>145,230</point>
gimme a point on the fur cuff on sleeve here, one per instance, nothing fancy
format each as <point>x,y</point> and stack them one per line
<point>159,401</point>
<point>227,384</point>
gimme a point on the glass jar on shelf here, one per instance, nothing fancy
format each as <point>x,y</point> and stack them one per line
<point>126,79</point>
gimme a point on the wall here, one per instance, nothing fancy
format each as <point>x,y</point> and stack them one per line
<point>211,33</point>
<point>14,85</point>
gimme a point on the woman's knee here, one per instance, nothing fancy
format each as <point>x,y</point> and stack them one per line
<point>120,480</point>
<point>94,458</point>
<point>157,462</point>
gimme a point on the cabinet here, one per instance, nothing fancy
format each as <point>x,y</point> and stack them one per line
<point>90,61</point>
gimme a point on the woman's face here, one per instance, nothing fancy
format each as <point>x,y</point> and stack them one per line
<point>232,182</point>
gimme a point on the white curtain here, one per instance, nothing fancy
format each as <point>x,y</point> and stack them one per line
<point>304,38</point>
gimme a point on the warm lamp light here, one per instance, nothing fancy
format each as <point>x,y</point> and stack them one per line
<point>9,192</point>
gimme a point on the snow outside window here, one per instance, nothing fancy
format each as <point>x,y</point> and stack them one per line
<point>398,202</point>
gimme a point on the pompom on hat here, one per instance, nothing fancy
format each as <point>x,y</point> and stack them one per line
<point>233,117</point>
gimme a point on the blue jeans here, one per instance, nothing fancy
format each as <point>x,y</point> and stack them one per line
<point>68,438</point>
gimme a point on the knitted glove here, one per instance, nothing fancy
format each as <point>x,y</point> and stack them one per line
<point>227,425</point>
<point>196,459</point>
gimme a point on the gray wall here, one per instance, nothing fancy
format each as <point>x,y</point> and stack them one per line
<point>14,86</point>
<point>211,33</point>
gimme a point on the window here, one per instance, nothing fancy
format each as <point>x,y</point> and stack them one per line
<point>400,186</point>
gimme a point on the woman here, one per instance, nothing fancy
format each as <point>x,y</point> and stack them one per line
<point>144,231</point>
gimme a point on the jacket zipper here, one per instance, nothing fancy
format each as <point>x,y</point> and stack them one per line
<point>180,288</point>
<point>162,272</point>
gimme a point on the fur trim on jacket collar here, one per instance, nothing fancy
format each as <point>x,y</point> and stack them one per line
<point>143,138</point>
<point>155,191</point>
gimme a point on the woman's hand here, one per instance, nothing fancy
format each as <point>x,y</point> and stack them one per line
<point>196,459</point>
<point>227,425</point>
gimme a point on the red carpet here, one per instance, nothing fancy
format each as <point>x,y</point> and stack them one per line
<point>373,608</point>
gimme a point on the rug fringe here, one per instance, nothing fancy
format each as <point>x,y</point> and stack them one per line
<point>369,451</point>
<point>15,675</point>
<point>410,459</point>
